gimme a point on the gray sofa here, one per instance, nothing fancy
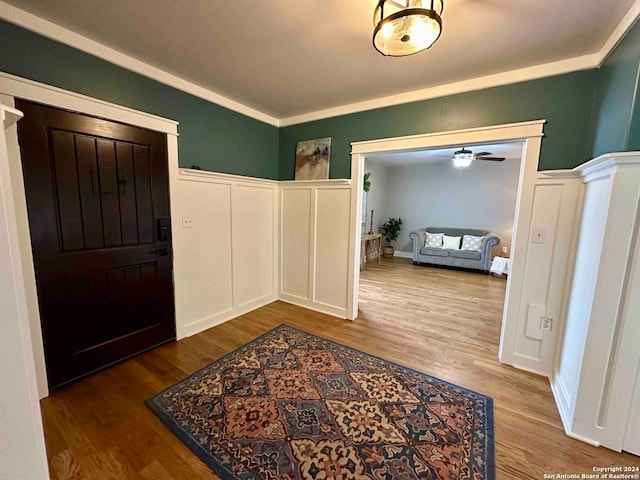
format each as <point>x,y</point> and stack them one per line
<point>454,258</point>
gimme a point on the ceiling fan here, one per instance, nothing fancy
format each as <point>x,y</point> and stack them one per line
<point>463,158</point>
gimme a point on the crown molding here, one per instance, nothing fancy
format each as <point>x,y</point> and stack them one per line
<point>584,62</point>
<point>60,34</point>
<point>627,22</point>
<point>55,32</point>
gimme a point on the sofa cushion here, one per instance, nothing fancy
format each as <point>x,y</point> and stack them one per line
<point>452,243</point>
<point>466,254</point>
<point>434,240</point>
<point>434,252</point>
<point>471,242</point>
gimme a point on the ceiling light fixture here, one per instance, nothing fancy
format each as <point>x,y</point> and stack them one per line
<point>462,158</point>
<point>406,27</point>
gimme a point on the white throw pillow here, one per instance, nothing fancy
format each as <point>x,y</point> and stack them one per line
<point>471,242</point>
<point>452,243</point>
<point>434,240</point>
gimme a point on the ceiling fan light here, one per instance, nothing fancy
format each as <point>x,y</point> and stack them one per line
<point>461,162</point>
<point>406,28</point>
<point>462,158</point>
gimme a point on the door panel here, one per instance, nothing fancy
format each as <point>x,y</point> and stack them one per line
<point>95,191</point>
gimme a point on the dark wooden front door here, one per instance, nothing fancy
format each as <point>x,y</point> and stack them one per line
<point>98,202</point>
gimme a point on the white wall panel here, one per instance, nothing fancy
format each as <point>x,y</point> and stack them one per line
<point>226,264</point>
<point>331,257</point>
<point>585,276</point>
<point>623,374</point>
<point>202,260</point>
<point>315,225</point>
<point>555,204</point>
<point>296,238</point>
<point>253,210</point>
<point>632,436</point>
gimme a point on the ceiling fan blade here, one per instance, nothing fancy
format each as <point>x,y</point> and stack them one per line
<point>491,159</point>
<point>482,154</point>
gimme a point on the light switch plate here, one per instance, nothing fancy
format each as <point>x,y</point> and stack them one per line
<point>539,235</point>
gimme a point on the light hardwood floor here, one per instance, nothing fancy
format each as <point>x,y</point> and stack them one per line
<point>443,322</point>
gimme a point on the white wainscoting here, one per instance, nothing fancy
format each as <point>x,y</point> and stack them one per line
<point>314,228</point>
<point>597,369</point>
<point>226,264</point>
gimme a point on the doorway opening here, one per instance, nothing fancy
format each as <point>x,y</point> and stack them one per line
<point>444,275</point>
<point>529,135</point>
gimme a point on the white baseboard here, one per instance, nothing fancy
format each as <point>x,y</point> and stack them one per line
<point>200,325</point>
<point>585,440</point>
<point>562,402</point>
<point>205,323</point>
<point>315,306</point>
<point>526,369</point>
<point>400,254</point>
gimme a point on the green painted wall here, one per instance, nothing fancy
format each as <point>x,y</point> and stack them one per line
<point>211,136</point>
<point>564,101</point>
<point>615,103</point>
<point>588,113</point>
<point>633,142</point>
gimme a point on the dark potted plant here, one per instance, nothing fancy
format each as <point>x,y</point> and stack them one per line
<point>390,230</point>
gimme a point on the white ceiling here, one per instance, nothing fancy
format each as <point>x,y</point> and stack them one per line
<point>510,151</point>
<point>286,58</point>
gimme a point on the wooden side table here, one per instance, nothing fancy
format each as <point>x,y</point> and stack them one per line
<point>370,248</point>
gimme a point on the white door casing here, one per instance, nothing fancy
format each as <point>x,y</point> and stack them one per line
<point>530,133</point>
<point>22,447</point>
<point>12,87</point>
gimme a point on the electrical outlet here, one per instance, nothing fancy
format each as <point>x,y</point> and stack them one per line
<point>546,323</point>
<point>187,222</point>
<point>504,250</point>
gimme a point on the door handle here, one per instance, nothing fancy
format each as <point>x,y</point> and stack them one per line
<point>162,252</point>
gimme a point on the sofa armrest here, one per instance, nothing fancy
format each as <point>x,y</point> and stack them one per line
<point>490,240</point>
<point>419,238</point>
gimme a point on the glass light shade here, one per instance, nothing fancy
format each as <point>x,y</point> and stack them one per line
<point>405,28</point>
<point>462,158</point>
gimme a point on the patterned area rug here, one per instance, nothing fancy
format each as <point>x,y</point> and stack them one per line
<point>290,405</point>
